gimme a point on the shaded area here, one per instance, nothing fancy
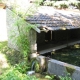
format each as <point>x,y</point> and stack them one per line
<point>13,57</point>
<point>54,40</point>
<point>59,28</point>
<point>69,55</point>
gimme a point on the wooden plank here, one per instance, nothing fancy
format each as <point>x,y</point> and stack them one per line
<point>36,29</point>
<point>54,48</point>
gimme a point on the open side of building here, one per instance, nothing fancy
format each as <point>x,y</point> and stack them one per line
<point>58,29</point>
<point>55,29</point>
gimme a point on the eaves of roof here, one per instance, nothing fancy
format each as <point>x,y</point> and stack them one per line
<point>53,19</point>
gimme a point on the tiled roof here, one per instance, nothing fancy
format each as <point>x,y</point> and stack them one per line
<point>55,19</point>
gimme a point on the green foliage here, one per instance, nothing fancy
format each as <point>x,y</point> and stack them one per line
<point>54,77</point>
<point>0,1</point>
<point>70,70</point>
<point>22,39</point>
<point>38,2</point>
<point>18,71</point>
<point>49,77</point>
<point>14,74</point>
<point>78,5</point>
<point>61,4</point>
<point>10,54</point>
<point>67,77</point>
<point>37,66</point>
<point>24,27</point>
<point>23,44</point>
<point>2,45</point>
<point>49,3</point>
<point>75,4</point>
<point>22,66</point>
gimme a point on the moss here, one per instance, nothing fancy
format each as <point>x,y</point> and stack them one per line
<point>37,66</point>
<point>70,69</point>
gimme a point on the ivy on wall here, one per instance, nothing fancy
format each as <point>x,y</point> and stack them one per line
<point>23,26</point>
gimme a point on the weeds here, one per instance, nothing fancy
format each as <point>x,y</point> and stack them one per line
<point>14,74</point>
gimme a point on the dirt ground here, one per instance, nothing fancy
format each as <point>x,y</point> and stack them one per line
<point>3,30</point>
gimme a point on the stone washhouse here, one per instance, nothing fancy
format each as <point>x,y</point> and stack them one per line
<point>55,29</point>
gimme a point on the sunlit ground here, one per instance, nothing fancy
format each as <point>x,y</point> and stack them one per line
<point>4,65</point>
<point>3,61</point>
<point>3,29</point>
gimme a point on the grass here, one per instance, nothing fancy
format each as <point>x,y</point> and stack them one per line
<point>13,57</point>
<point>9,57</point>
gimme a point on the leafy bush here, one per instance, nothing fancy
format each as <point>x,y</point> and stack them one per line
<point>78,5</point>
<point>22,67</point>
<point>61,4</point>
<point>54,77</point>
<point>49,3</point>
<point>73,4</point>
<point>67,77</point>
<point>14,74</point>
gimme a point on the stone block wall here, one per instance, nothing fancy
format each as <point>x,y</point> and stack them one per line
<point>32,40</point>
<point>60,69</point>
<point>13,32</point>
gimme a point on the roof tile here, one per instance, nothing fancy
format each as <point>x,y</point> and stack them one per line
<point>56,20</point>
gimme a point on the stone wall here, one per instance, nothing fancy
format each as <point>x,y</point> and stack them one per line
<point>32,39</point>
<point>11,28</point>
<point>13,32</point>
<point>62,69</point>
<point>59,68</point>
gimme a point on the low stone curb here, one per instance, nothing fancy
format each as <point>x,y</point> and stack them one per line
<point>59,68</point>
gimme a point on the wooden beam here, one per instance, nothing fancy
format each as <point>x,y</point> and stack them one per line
<point>36,29</point>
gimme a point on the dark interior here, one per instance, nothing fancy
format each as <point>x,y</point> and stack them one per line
<point>55,38</point>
